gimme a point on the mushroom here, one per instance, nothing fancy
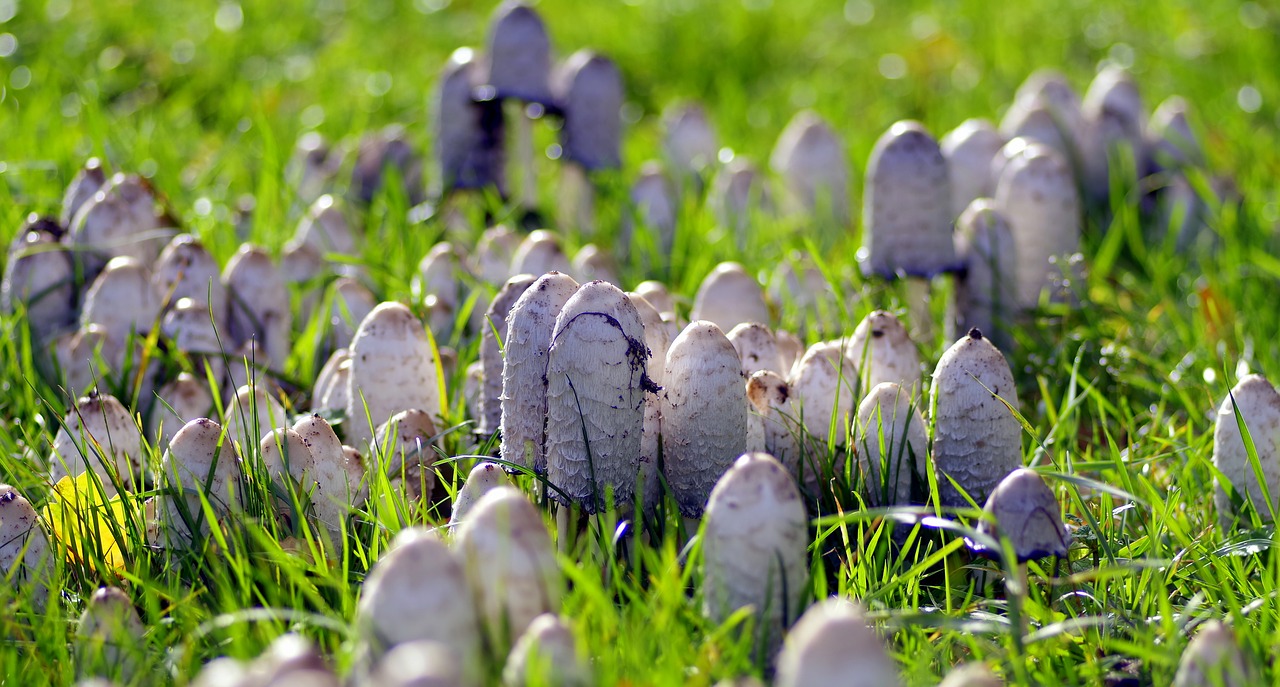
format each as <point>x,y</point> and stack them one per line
<point>883,351</point>
<point>968,150</point>
<point>482,479</point>
<point>649,480</point>
<point>596,384</point>
<point>39,279</point>
<point>1170,138</point>
<point>469,134</point>
<point>491,351</point>
<point>892,445</point>
<point>404,450</point>
<point>291,661</point>
<point>704,414</point>
<point>109,637</point>
<point>654,206</point>
<point>1255,403</point>
<point>350,303</point>
<point>524,370</point>
<point>393,368</point>
<point>1115,120</point>
<point>823,395</point>
<point>986,296</point>
<point>99,434</point>
<point>330,390</point>
<point>1047,110</point>
<point>756,346</point>
<point>540,253</point>
<point>188,325</point>
<point>187,270</point>
<point>420,663</point>
<point>25,558</point>
<point>177,403</point>
<point>379,151</point>
<point>119,221</point>
<point>547,655</point>
<point>971,675</point>
<point>288,466</point>
<point>1214,657</point>
<point>593,263</point>
<point>1037,194</point>
<point>658,296</point>
<point>259,304</point>
<point>338,476</point>
<point>977,439</point>
<point>251,415</point>
<point>728,296</point>
<point>437,284</point>
<point>790,350</point>
<point>810,158</point>
<point>510,565</point>
<point>123,302</point>
<point>491,260</point>
<point>83,187</point>
<point>223,672</point>
<point>198,466</point>
<point>754,542</point>
<point>1024,510</point>
<point>770,398</point>
<point>689,141</point>
<point>738,195</point>
<point>832,644</point>
<point>589,88</point>
<point>799,287</point>
<point>418,591</point>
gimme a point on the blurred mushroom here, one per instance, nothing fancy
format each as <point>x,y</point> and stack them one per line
<point>1255,403</point>
<point>482,479</point>
<point>729,296</point>
<point>892,446</point>
<point>25,558</point>
<point>770,398</point>
<point>547,655</point>
<point>469,135</point>
<point>404,451</point>
<point>1115,119</point>
<point>810,157</point>
<point>83,187</point>
<point>259,304</point>
<point>884,352</point>
<point>540,252</point>
<point>99,434</point>
<point>39,279</point>
<point>689,141</point>
<point>1037,195</point>
<point>1024,510</point>
<point>109,637</point>
<point>987,295</point>
<point>491,351</point>
<point>968,150</point>
<point>1214,657</point>
<point>823,395</point>
<point>832,644</point>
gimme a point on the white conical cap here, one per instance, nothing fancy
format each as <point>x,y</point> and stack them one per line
<point>119,221</point>
<point>23,543</point>
<point>350,303</point>
<point>109,636</point>
<point>729,296</point>
<point>547,655</point>
<point>39,277</point>
<point>906,210</point>
<point>287,461</point>
<point>824,382</point>
<point>770,399</point>
<point>754,548</point>
<point>83,187</point>
<point>589,89</point>
<point>469,141</point>
<point>1115,119</point>
<point>491,260</point>
<point>892,446</point>
<point>177,403</point>
<point>540,252</point>
<point>187,270</point>
<point>259,304</point>
<point>339,477</point>
<point>330,390</point>
<point>491,350</point>
<point>483,478</point>
<point>810,157</point>
<point>790,350</point>
<point>421,663</point>
<point>689,140</point>
<point>1024,509</point>
<point>593,263</point>
<point>656,338</point>
<point>987,295</point>
<point>393,368</point>
<point>658,295</point>
<point>884,352</point>
<point>738,194</point>
<point>1047,109</point>
<point>596,385</point>
<point>1214,657</point>
<point>704,413</point>
<point>968,149</point>
<point>196,462</point>
<point>438,283</point>
<point>252,414</point>
<point>757,347</point>
<point>326,228</point>
<point>510,564</point>
<point>1257,403</point>
<point>832,645</point>
<point>99,434</point>
<point>404,442</point>
<point>977,440</point>
<point>122,300</point>
<point>1037,195</point>
<point>519,55</point>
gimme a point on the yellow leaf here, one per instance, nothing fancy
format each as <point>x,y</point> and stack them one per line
<point>80,519</point>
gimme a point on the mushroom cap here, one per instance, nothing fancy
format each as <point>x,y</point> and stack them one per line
<point>83,187</point>
<point>259,303</point>
<point>292,660</point>
<point>190,328</point>
<point>1258,405</point>
<point>656,338</point>
<point>351,303</point>
<point>252,414</point>
<point>482,479</point>
<point>810,157</point>
<point>325,228</point>
<point>22,541</point>
<point>99,434</point>
<point>824,383</point>
<point>421,663</point>
<point>393,369</point>
<point>404,442</point>
<point>833,645</point>
<point>1115,120</point>
<point>971,675</point>
<point>738,193</point>
<point>986,296</point>
<point>519,55</point>
<point>1037,195</point>
<point>222,672</point>
<point>510,564</point>
<point>884,352</point>
<point>892,435</point>
<point>907,205</point>
<point>333,381</point>
<point>657,294</point>
<point>589,89</point>
<point>540,253</point>
<point>491,350</point>
<point>756,346</point>
<point>546,654</point>
<point>593,263</point>
<point>491,260</point>
<point>1214,657</point>
<point>530,324</point>
<point>110,634</point>
<point>1170,136</point>
<point>1047,109</point>
<point>729,296</point>
<point>186,269</point>
<point>595,397</point>
<point>339,480</point>
<point>286,458</point>
<point>1025,510</point>
<point>770,398</point>
<point>39,275</point>
<point>704,413</point>
<point>689,140</point>
<point>977,440</point>
<point>969,149</point>
<point>754,545</point>
<point>379,151</point>
<point>197,461</point>
<point>119,221</point>
<point>653,197</point>
<point>177,403</point>
<point>122,300</point>
<point>469,135</point>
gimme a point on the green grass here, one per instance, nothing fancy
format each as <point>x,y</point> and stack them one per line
<point>1118,396</point>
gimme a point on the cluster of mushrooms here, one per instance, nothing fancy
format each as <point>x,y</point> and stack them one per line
<point>610,400</point>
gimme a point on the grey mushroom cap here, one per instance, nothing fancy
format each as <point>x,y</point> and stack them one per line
<point>100,435</point>
<point>483,478</point>
<point>770,398</point>
<point>589,89</point>
<point>491,350</point>
<point>729,296</point>
<point>518,63</point>
<point>969,149</point>
<point>84,185</point>
<point>1037,195</point>
<point>907,205</point>
<point>1257,403</point>
<point>892,445</point>
<point>38,276</point>
<point>404,442</point>
<point>110,634</point>
<point>23,543</point>
<point>689,139</point>
<point>186,269</point>
<point>540,253</point>
<point>655,203</point>
<point>833,645</point>
<point>393,369</point>
<point>259,303</point>
<point>470,150</point>
<point>757,347</point>
<point>810,157</point>
<point>1214,657</point>
<point>1024,510</point>
<point>884,352</point>
<point>986,295</point>
<point>547,654</point>
<point>421,663</point>
<point>738,193</point>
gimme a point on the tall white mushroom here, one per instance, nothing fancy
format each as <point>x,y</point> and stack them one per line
<point>84,185</point>
<point>420,663</point>
<point>177,403</point>
<point>540,252</point>
<point>491,351</point>
<point>968,149</point>
<point>547,654</point>
<point>810,157</point>
<point>253,413</point>
<point>833,645</point>
<point>124,303</point>
<point>892,446</point>
<point>393,368</point>
<point>25,555</point>
<point>1047,110</point>
<point>491,260</point>
<point>1169,136</point>
<point>483,478</point>
<point>656,207</point>
<point>704,413</point>
<point>754,545</point>
<point>883,351</point>
<point>987,294</point>
<point>729,296</point>
<point>1214,657</point>
<point>1037,194</point>
<point>1255,402</point>
<point>404,452</point>
<point>1115,118</point>
<point>977,439</point>
<point>187,270</point>
<point>656,338</point>
<point>438,285</point>
<point>197,465</point>
<point>259,304</point>
<point>339,477</point>
<point>100,435</point>
<point>38,277</point>
<point>589,89</point>
<point>592,263</point>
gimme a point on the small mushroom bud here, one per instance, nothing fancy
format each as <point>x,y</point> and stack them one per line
<point>907,209</point>
<point>519,58</point>
<point>109,638</point>
<point>197,462</point>
<point>123,302</point>
<point>986,298</point>
<point>339,476</point>
<point>592,263</point>
<point>404,448</point>
<point>189,327</point>
<point>547,654</point>
<point>492,256</point>
<point>287,461</point>
<point>892,444</point>
<point>971,675</point>
<point>1214,657</point>
<point>658,296</point>
<point>884,352</point>
<point>223,672</point>
<point>253,414</point>
<point>83,187</point>
<point>754,548</point>
<point>655,337</point>
<point>810,157</point>
<point>187,270</point>
<point>25,558</point>
<point>1115,117</point>
<point>1255,402</point>
<point>1170,138</point>
<point>689,140</point>
<point>482,479</point>
<point>704,414</point>
<point>510,564</point>
<point>439,275</point>
<point>259,303</point>
<point>378,152</point>
<point>177,403</point>
<point>738,195</point>
<point>393,368</point>
<point>832,644</point>
<point>330,390</point>
<point>351,303</point>
<point>421,663</point>
<point>540,253</point>
<point>595,397</point>
<point>1037,194</point>
<point>656,207</point>
<point>293,661</point>
<point>120,220</point>
<point>77,357</point>
<point>418,591</point>
<point>823,386</point>
<point>969,149</point>
<point>491,351</point>
<point>790,350</point>
<point>756,346</point>
<point>977,439</point>
<point>326,229</point>
<point>100,435</point>
<point>1024,509</point>
<point>469,134</point>
<point>770,399</point>
<point>1046,109</point>
<point>524,371</point>
<point>39,278</point>
<point>588,87</point>
<point>728,296</point>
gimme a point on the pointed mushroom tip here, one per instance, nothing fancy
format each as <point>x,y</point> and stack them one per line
<point>975,334</point>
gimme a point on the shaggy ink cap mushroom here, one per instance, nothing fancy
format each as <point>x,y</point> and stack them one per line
<point>1047,109</point>
<point>810,158</point>
<point>1024,510</point>
<point>892,445</point>
<point>109,636</point>
<point>657,339</point>
<point>968,150</point>
<point>339,480</point>
<point>977,440</point>
<point>593,263</point>
<point>178,402</point>
<point>251,415</point>
<point>907,206</point>
<point>739,193</point>
<point>689,140</point>
<point>83,187</point>
<point>824,383</point>
<point>704,413</point>
<point>754,542</point>
<point>119,221</point>
<point>1214,657</point>
<point>658,295</point>
<point>729,296</point>
<point>379,151</point>
<point>596,385</point>
<point>756,346</point>
<point>393,369</point>
<point>884,352</point>
<point>987,293</point>
<point>833,645</point>
<point>588,87</point>
<point>1037,195</point>
<point>518,62</point>
<point>547,655</point>
<point>259,304</point>
<point>770,399</point>
<point>1255,402</point>
<point>197,462</point>
<point>404,442</point>
<point>540,253</point>
<point>23,543</point>
<point>1115,119</point>
<point>491,351</point>
<point>99,435</point>
<point>491,260</point>
<point>421,663</point>
<point>122,301</point>
<point>530,324</point>
<point>39,278</point>
<point>470,135</point>
<point>482,479</point>
<point>186,269</point>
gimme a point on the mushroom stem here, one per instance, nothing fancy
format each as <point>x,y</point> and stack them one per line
<point>917,294</point>
<point>578,196</point>
<point>522,131</point>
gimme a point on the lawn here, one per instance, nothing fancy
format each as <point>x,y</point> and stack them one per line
<point>1118,394</point>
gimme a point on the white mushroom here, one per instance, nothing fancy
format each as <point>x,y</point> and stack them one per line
<point>223,672</point>
<point>832,645</point>
<point>438,285</point>
<point>658,296</point>
<point>592,263</point>
<point>350,303</point>
<point>404,452</point>
<point>969,149</point>
<point>754,545</point>
<point>518,63</point>
<point>251,415</point>
<point>339,477</point>
<point>393,368</point>
<point>704,413</point>
<point>540,253</point>
<point>810,157</point>
<point>655,206</point>
<point>99,434</point>
<point>756,346</point>
<point>1170,137</point>
<point>120,220</point>
<point>790,350</point>
<point>907,205</point>
<point>1255,403</point>
<point>123,302</point>
<point>1047,110</point>
<point>1024,510</point>
<point>987,295</point>
<point>971,675</point>
<point>547,655</point>
<point>1214,657</point>
<point>892,446</point>
<point>1116,119</point>
<point>799,287</point>
<point>326,229</point>
<point>689,140</point>
<point>288,466</point>
<point>655,337</point>
<point>739,194</point>
<point>589,89</point>
<point>259,304</point>
<point>491,351</point>
<point>109,637</point>
<point>491,260</point>
<point>1037,194</point>
<point>187,270</point>
<point>196,463</point>
<point>482,479</point>
<point>83,187</point>
<point>39,278</point>
<point>420,663</point>
<point>977,439</point>
<point>770,398</point>
<point>25,555</point>
<point>177,403</point>
<point>330,390</point>
<point>729,296</point>
<point>883,351</point>
<point>379,151</point>
<point>824,398</point>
